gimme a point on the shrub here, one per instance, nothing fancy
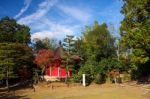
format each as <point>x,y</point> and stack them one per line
<point>100,78</point>
<point>97,72</point>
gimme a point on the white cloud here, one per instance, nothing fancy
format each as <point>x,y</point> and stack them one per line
<point>52,29</point>
<point>25,7</point>
<point>42,35</point>
<point>76,12</point>
<point>43,27</point>
<point>57,27</point>
<point>42,10</point>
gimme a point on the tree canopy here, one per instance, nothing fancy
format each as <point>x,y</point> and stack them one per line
<point>15,54</point>
<point>97,48</point>
<point>45,43</point>
<point>135,30</point>
<point>11,31</point>
<point>98,41</point>
<point>43,58</point>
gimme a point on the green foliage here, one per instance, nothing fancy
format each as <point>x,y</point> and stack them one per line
<point>97,49</point>
<point>15,55</point>
<point>98,71</point>
<point>105,66</point>
<point>100,78</point>
<point>92,71</point>
<point>109,64</point>
<point>75,78</point>
<point>44,44</point>
<point>79,46</point>
<point>90,68</point>
<point>67,52</point>
<point>68,44</point>
<point>6,61</point>
<point>135,30</point>
<point>11,31</point>
<point>98,42</point>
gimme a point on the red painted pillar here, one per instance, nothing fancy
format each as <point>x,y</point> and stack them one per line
<point>58,72</point>
<point>50,71</point>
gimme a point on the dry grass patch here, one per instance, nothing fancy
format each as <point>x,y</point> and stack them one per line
<point>76,91</point>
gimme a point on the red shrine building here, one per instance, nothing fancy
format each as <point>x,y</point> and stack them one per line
<point>54,69</point>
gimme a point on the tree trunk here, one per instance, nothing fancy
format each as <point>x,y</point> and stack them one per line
<point>7,77</point>
<point>43,71</point>
<point>66,79</point>
<point>7,84</point>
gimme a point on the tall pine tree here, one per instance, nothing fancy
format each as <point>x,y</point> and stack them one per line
<point>135,33</point>
<point>15,54</point>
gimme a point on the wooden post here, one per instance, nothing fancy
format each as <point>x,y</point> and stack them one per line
<point>83,80</point>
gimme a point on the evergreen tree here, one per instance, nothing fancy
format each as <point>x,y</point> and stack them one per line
<point>135,33</point>
<point>67,62</point>
<point>45,43</point>
<point>11,31</point>
<point>7,62</point>
<point>15,53</point>
<point>69,44</point>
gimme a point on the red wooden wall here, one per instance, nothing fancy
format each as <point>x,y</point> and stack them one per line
<point>54,70</point>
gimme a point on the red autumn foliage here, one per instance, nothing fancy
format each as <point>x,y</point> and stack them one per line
<point>43,57</point>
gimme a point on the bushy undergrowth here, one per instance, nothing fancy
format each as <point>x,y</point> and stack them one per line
<point>97,72</point>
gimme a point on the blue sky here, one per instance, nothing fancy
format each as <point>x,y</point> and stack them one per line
<point>57,18</point>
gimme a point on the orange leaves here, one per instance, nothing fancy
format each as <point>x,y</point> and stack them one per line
<point>43,57</point>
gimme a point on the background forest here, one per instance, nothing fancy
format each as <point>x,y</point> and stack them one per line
<point>99,50</point>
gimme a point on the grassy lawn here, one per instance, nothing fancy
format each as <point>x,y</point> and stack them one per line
<point>105,91</point>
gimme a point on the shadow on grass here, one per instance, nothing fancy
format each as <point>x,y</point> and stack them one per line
<point>11,93</point>
<point>4,94</point>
